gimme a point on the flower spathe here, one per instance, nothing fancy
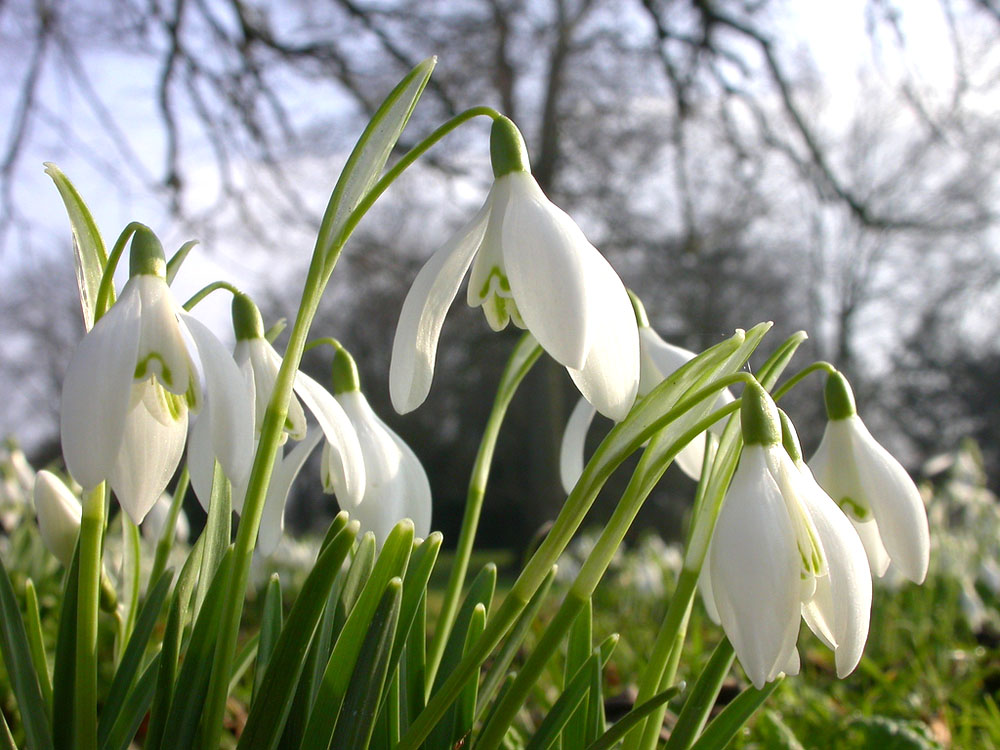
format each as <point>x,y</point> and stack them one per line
<point>872,488</point>
<point>782,550</point>
<point>531,264</point>
<point>58,512</point>
<point>130,384</point>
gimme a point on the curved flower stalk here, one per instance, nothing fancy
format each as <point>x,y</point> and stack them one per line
<point>131,382</point>
<point>531,264</point>
<point>58,512</point>
<point>258,364</point>
<point>396,484</point>
<point>781,551</point>
<point>657,360</point>
<point>871,487</point>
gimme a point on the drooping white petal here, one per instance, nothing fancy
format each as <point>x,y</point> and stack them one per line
<point>96,392</point>
<point>150,450</point>
<point>414,347</point>
<point>878,558</point>
<point>286,468</point>
<point>201,460</point>
<point>348,465</point>
<point>896,502</point>
<point>58,511</point>
<point>574,441</point>
<point>840,609</point>
<point>259,358</point>
<point>705,587</point>
<point>610,377</point>
<point>546,254</point>
<point>396,485</point>
<point>657,359</point>
<point>691,457</point>
<point>230,402</point>
<point>489,286</point>
<point>755,570</point>
<point>162,350</point>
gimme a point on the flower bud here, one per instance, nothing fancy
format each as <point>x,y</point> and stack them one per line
<point>59,515</point>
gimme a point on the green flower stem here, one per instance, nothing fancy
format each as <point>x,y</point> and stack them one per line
<point>601,465</point>
<point>166,541</point>
<point>106,291</point>
<point>651,467</point>
<point>517,367</point>
<point>207,290</point>
<point>88,599</point>
<point>802,375</point>
<point>398,168</point>
<point>131,558</point>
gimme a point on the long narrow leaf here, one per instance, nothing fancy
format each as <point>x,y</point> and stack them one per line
<point>578,648</point>
<point>465,706</point>
<point>391,563</point>
<point>361,702</point>
<point>88,247</point>
<point>20,669</point>
<point>267,719</point>
<point>217,533</point>
<point>632,719</point>
<point>64,668</point>
<point>699,703</point>
<point>169,653</point>
<point>33,625</point>
<point>563,709</point>
<point>369,156</point>
<point>132,657</point>
<point>725,726</point>
<point>6,738</point>
<point>270,629</point>
<point>133,709</point>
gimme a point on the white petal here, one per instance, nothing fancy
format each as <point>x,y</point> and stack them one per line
<point>546,256</point>
<point>610,378</point>
<point>414,347</point>
<point>149,454</point>
<point>755,571</point>
<point>691,457</point>
<point>878,558</point>
<point>272,520</point>
<point>793,664</point>
<point>895,500</point>
<point>264,364</point>
<point>96,393</point>
<point>705,587</point>
<point>573,444</point>
<point>201,460</point>
<point>59,514</point>
<point>162,350</point>
<point>418,506</point>
<point>230,402</point>
<point>658,359</point>
<point>840,610</point>
<point>349,464</point>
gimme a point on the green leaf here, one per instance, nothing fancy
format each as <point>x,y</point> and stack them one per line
<point>465,706</point>
<point>270,629</point>
<point>169,652</point>
<point>578,649</point>
<point>391,563</point>
<point>703,695</point>
<point>564,708</point>
<point>596,723</point>
<point>357,576</point>
<point>632,719</point>
<point>246,656</point>
<point>725,726</point>
<point>217,533</point>
<point>132,657</point>
<point>64,668</point>
<point>415,665</point>
<point>36,642</point>
<point>6,738</point>
<point>196,668</point>
<point>178,258</point>
<point>361,701</point>
<point>268,714</point>
<point>20,669</point>
<point>887,733</point>
<point>365,164</point>
<point>418,573</point>
<point>88,247</point>
<point>498,669</point>
<point>132,711</point>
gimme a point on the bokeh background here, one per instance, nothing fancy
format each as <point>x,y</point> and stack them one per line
<point>828,166</point>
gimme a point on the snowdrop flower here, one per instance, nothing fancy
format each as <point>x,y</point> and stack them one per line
<point>59,512</point>
<point>531,264</point>
<point>258,364</point>
<point>871,487</point>
<point>131,382</point>
<point>156,519</point>
<point>657,360</point>
<point>396,484</point>
<point>781,551</point>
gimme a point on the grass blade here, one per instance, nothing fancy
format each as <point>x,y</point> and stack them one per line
<point>632,719</point>
<point>36,642</point>
<point>699,703</point>
<point>725,726</point>
<point>132,710</point>
<point>270,629</point>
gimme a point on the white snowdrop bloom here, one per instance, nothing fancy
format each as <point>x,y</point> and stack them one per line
<point>531,264</point>
<point>259,364</point>
<point>657,360</point>
<point>58,512</point>
<point>872,488</point>
<point>396,484</point>
<point>782,550</point>
<point>131,382</point>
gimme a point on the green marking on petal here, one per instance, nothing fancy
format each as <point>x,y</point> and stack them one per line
<point>162,372</point>
<point>853,508</point>
<point>502,285</point>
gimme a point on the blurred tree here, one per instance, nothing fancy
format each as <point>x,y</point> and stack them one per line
<point>692,139</point>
